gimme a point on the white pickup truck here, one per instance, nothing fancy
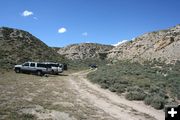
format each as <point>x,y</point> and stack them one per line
<point>33,67</point>
<point>40,68</point>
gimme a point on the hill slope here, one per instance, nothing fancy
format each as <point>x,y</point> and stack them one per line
<point>17,46</point>
<point>162,46</point>
<point>85,51</point>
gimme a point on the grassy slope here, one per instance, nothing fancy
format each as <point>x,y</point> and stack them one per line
<point>22,47</point>
<point>155,85</point>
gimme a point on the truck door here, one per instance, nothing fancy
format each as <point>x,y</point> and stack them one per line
<point>25,67</point>
<point>32,67</point>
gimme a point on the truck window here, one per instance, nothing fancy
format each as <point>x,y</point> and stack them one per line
<point>48,66</point>
<point>32,64</point>
<point>26,64</point>
<point>41,65</point>
<point>54,65</point>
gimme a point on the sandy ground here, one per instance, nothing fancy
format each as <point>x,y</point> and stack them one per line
<point>69,96</point>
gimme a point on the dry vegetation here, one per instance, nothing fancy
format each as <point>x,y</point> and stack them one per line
<point>156,83</point>
<point>24,96</point>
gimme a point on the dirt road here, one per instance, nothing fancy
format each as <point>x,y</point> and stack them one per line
<point>66,97</point>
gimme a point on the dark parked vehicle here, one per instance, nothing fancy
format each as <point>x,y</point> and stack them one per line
<point>93,66</point>
<point>64,66</point>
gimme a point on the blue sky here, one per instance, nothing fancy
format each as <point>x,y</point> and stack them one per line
<point>100,21</point>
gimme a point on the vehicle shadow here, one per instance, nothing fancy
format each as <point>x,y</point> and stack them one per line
<point>45,75</point>
<point>62,75</point>
<point>50,75</point>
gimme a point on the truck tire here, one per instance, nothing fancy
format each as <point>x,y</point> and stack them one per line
<point>39,73</point>
<point>52,72</point>
<point>17,70</point>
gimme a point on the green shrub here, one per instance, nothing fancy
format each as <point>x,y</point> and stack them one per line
<point>158,102</point>
<point>123,82</point>
<point>137,79</point>
<point>171,103</point>
<point>178,96</point>
<point>28,116</point>
<point>148,100</point>
<point>121,90</point>
<point>116,87</point>
<point>135,95</point>
<point>104,85</point>
<point>134,88</point>
<point>154,89</point>
<point>112,89</point>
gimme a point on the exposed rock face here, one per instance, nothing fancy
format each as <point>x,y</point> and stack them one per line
<point>85,51</point>
<point>17,46</point>
<point>163,46</point>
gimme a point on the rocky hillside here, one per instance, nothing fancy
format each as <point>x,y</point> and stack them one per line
<point>85,51</point>
<point>17,46</point>
<point>162,46</point>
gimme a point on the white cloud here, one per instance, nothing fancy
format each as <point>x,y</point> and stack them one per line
<point>123,41</point>
<point>62,30</point>
<point>35,18</point>
<point>85,34</point>
<point>27,13</point>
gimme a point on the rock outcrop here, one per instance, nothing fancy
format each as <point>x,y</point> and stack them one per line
<point>162,46</point>
<point>85,51</point>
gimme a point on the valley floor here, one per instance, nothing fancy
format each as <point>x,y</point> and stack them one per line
<point>69,96</point>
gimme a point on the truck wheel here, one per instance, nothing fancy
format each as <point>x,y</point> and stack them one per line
<point>52,72</point>
<point>17,70</point>
<point>39,73</point>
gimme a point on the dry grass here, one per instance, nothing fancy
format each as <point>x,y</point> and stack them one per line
<point>29,97</point>
<point>22,92</point>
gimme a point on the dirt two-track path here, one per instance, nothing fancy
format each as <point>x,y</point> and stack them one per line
<point>69,96</point>
<point>115,106</point>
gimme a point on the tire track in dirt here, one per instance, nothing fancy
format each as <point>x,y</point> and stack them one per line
<point>112,104</point>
